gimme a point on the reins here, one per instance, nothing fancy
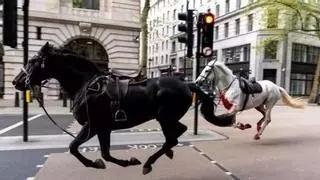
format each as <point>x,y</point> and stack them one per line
<point>51,119</point>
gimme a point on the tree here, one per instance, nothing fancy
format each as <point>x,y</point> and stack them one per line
<point>298,16</point>
<point>144,37</point>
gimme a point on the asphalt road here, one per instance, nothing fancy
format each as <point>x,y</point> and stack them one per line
<point>21,164</point>
<point>39,126</point>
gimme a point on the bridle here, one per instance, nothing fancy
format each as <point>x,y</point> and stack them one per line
<point>28,84</point>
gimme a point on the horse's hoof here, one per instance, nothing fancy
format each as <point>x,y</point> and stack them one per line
<point>99,164</point>
<point>134,161</point>
<point>146,170</point>
<point>256,137</point>
<point>170,154</point>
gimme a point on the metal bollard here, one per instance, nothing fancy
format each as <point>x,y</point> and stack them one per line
<point>16,100</point>
<point>71,104</point>
<point>64,100</point>
<point>318,98</point>
<point>41,99</point>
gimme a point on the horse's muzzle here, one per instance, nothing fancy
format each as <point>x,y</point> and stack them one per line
<point>19,81</point>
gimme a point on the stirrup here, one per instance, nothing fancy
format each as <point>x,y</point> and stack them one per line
<point>120,115</point>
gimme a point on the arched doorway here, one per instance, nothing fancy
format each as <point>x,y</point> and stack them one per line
<point>91,49</point>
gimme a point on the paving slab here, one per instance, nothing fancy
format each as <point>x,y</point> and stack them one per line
<point>290,152</point>
<point>187,164</point>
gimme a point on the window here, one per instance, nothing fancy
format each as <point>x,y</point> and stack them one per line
<point>270,50</point>
<point>174,14</point>
<point>246,53</point>
<point>250,22</point>
<point>218,10</point>
<point>237,26</point>
<point>238,4</point>
<point>227,6</point>
<point>174,30</point>
<point>167,45</point>
<point>301,84</point>
<point>305,54</point>
<point>39,33</point>
<point>226,30</point>
<point>272,18</point>
<point>173,47</point>
<point>216,36</point>
<point>236,54</point>
<point>86,4</point>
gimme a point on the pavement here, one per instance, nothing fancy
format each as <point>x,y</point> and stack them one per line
<point>52,106</point>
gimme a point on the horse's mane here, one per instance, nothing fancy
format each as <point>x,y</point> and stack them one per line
<point>221,65</point>
<point>71,56</point>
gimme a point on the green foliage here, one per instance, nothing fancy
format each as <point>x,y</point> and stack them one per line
<point>283,16</point>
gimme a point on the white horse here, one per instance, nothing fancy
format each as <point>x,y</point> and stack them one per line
<point>235,100</point>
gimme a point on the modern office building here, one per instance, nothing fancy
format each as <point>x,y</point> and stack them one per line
<point>244,39</point>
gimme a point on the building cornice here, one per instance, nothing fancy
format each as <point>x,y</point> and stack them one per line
<point>98,22</point>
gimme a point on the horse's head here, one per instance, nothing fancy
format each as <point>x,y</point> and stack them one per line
<point>217,73</point>
<point>207,73</point>
<point>36,70</point>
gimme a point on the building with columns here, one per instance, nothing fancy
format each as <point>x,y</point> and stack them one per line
<point>240,36</point>
<point>105,31</point>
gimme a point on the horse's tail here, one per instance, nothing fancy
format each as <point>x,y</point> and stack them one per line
<point>292,102</point>
<point>207,109</point>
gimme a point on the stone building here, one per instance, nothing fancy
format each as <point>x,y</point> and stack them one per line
<point>105,31</point>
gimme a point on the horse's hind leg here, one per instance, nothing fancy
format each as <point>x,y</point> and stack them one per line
<point>171,130</point>
<point>84,135</point>
<point>266,121</point>
<point>262,110</point>
<point>104,140</point>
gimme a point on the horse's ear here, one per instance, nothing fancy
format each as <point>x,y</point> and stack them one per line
<point>45,48</point>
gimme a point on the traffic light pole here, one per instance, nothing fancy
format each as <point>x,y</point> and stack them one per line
<point>25,61</point>
<point>198,56</point>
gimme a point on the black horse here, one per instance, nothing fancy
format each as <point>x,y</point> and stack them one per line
<point>164,99</point>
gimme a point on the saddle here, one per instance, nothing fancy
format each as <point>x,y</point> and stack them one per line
<point>115,84</point>
<point>249,87</point>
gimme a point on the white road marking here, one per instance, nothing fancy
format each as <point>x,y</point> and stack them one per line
<point>19,124</point>
<point>46,156</point>
<point>39,166</point>
<point>30,178</point>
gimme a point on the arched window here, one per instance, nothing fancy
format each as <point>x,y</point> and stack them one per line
<point>91,50</point>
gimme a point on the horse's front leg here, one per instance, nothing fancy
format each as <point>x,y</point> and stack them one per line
<point>84,135</point>
<point>233,111</point>
<point>104,140</point>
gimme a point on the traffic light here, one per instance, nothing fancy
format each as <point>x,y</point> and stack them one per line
<point>207,34</point>
<point>187,29</point>
<point>10,23</point>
